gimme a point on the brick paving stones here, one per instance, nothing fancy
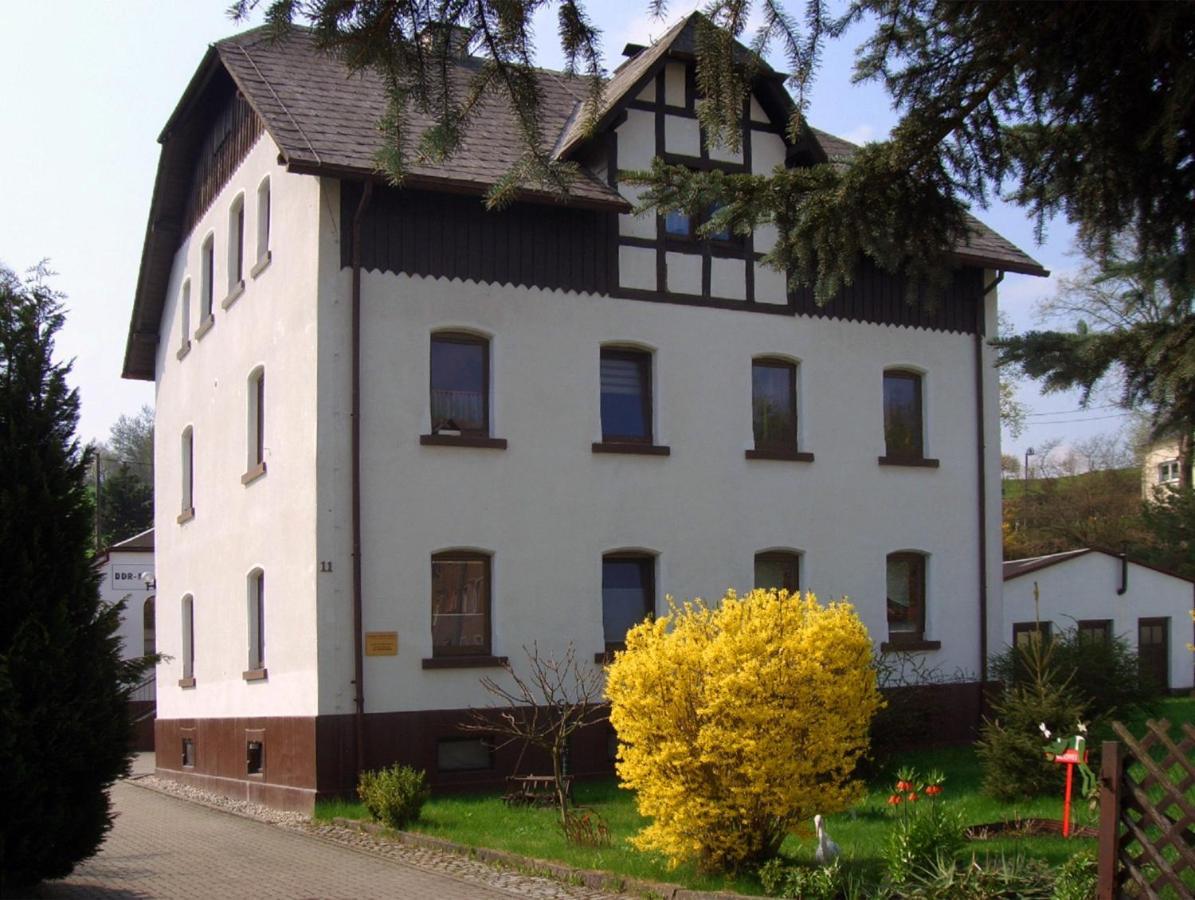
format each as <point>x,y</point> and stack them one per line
<point>162,846</point>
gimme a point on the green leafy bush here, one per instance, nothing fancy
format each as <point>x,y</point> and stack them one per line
<point>1011,749</point>
<point>395,795</point>
<point>1102,675</point>
<point>784,879</point>
<point>1077,877</point>
<point>1025,879</point>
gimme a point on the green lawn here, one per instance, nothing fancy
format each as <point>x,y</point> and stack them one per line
<point>483,820</point>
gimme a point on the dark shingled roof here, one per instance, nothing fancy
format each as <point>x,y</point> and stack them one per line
<point>325,119</point>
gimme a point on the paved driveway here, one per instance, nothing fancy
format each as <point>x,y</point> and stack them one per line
<point>162,846</point>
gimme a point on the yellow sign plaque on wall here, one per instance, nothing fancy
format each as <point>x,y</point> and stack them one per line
<point>381,643</point>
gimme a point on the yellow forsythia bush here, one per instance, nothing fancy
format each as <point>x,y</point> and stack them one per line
<point>735,722</point>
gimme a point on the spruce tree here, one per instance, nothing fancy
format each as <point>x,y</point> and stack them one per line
<point>64,723</point>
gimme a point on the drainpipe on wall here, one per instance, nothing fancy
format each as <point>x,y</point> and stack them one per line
<point>358,650</point>
<point>1123,556</point>
<point>982,472</point>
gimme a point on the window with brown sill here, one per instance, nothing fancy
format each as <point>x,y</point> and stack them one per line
<point>460,605</point>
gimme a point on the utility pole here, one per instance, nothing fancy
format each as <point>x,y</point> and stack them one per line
<point>1025,489</point>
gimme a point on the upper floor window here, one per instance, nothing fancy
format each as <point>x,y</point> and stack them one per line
<point>774,404</point>
<point>236,244</point>
<point>1168,472</point>
<point>257,621</point>
<point>256,422</point>
<point>460,604</point>
<point>187,610</point>
<point>626,395</point>
<point>903,426</point>
<point>188,473</point>
<point>906,597</point>
<point>779,570</point>
<point>628,595</point>
<point>678,224</point>
<point>460,366</point>
<point>207,277</point>
<point>263,220</point>
<point>184,315</point>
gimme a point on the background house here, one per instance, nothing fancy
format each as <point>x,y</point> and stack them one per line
<point>400,437</point>
<point>128,574</point>
<point>1104,594</point>
<point>1160,466</point>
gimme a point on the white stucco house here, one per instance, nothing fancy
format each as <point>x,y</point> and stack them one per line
<point>1162,467</point>
<point>400,437</point>
<point>1104,594</point>
<point>127,573</point>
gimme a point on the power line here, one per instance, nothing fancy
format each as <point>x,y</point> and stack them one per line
<point>1082,421</point>
<point>1067,412</point>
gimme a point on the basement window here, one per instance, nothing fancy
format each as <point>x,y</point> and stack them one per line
<point>255,757</point>
<point>188,753</point>
<point>464,754</point>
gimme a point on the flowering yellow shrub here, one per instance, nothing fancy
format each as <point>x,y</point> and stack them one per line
<point>736,722</point>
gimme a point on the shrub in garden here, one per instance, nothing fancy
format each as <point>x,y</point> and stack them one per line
<point>1103,675</point>
<point>1010,747</point>
<point>995,876</point>
<point>925,831</point>
<point>1077,878</point>
<point>737,721</point>
<point>393,796</point>
<point>784,879</point>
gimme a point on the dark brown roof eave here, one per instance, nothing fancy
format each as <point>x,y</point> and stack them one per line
<point>991,262</point>
<point>450,185</point>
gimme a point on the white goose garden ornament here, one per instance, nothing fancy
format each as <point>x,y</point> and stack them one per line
<point>827,850</point>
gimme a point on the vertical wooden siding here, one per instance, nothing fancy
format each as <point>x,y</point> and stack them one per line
<point>452,236</point>
<point>233,131</point>
<point>879,297</point>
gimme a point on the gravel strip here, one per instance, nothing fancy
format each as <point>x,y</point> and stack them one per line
<point>457,865</point>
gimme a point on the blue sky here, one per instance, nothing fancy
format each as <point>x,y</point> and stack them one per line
<point>85,88</point>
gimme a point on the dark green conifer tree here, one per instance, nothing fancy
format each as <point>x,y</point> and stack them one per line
<point>64,723</point>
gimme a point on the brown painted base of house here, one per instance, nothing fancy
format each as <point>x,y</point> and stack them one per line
<point>304,758</point>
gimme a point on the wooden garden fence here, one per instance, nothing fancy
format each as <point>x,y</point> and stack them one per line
<point>1147,814</point>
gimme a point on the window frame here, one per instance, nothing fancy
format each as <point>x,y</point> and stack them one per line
<point>187,471</point>
<point>772,362</point>
<point>485,650</point>
<point>256,621</point>
<point>236,245</point>
<point>643,360</point>
<point>1085,629</point>
<point>184,316</point>
<point>647,563</point>
<point>207,280</point>
<point>1045,629</point>
<point>916,637</point>
<point>470,339</point>
<point>255,426</point>
<point>782,556</point>
<point>187,633</point>
<point>916,456</point>
<point>264,202</point>
<point>1170,465</point>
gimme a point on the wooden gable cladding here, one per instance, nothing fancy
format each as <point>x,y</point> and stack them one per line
<point>879,298</point>
<point>233,130</point>
<point>441,235</point>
